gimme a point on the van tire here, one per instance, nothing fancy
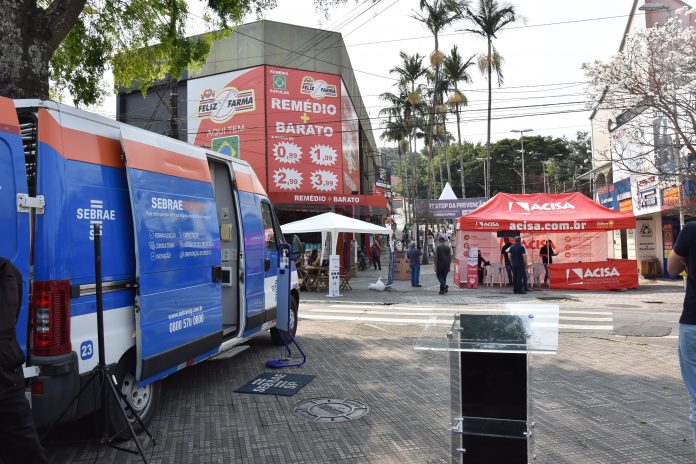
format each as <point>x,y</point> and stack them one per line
<point>276,334</point>
<point>143,400</point>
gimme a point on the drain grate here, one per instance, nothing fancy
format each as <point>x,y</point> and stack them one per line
<point>325,410</point>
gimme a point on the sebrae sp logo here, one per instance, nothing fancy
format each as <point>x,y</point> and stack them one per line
<point>221,107</point>
<point>580,276</point>
<point>527,207</point>
<point>317,88</point>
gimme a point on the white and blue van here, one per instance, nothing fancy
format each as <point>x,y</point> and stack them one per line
<point>189,252</point>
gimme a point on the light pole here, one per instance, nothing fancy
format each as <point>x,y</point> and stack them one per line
<point>522,131</point>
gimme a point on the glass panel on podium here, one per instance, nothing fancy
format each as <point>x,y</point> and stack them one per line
<point>491,405</point>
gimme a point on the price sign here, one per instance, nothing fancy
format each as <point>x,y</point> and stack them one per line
<point>325,181</point>
<point>323,155</point>
<point>287,153</point>
<point>287,179</point>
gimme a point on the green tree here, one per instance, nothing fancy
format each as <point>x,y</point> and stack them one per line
<point>73,42</point>
<point>488,20</point>
<point>455,70</point>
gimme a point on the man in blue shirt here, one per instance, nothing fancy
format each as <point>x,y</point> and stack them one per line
<point>518,258</point>
<point>414,262</point>
<point>683,258</point>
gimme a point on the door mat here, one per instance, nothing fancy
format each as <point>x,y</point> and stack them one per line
<point>270,383</point>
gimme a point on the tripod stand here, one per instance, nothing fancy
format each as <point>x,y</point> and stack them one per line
<point>107,385</point>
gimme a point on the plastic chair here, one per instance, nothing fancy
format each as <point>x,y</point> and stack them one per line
<point>536,274</point>
<point>497,274</point>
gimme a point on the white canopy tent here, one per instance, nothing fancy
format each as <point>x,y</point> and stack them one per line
<point>334,223</point>
<point>448,193</point>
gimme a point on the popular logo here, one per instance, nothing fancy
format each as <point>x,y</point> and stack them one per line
<point>226,145</point>
<point>526,206</point>
<point>317,88</point>
<point>96,214</point>
<point>280,82</point>
<point>223,106</point>
<point>488,224</point>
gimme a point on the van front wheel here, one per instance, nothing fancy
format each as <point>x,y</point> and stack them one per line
<point>276,334</point>
<point>141,400</point>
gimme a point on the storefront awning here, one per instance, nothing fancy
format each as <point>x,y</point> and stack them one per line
<point>545,212</point>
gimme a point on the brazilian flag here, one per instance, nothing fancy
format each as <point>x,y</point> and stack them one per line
<point>227,146</point>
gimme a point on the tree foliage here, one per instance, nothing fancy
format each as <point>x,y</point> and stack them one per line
<point>140,40</point>
<point>651,84</point>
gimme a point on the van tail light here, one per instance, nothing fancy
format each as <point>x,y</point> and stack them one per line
<point>50,316</point>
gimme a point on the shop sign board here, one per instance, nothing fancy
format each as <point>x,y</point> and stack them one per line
<point>670,197</point>
<point>646,240</point>
<point>606,197</point>
<point>622,192</point>
<point>350,138</point>
<point>304,142</point>
<point>328,199</point>
<point>226,114</point>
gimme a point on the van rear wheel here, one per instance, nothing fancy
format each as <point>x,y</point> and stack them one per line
<point>276,334</point>
<point>141,400</point>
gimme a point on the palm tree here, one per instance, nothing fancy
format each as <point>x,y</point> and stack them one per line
<point>397,131</point>
<point>409,72</point>
<point>490,18</point>
<point>455,70</point>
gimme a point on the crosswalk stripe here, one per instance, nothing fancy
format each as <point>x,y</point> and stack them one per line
<point>444,322</point>
<point>430,313</point>
<point>454,309</point>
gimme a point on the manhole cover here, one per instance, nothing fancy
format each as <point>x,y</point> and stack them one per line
<point>330,410</point>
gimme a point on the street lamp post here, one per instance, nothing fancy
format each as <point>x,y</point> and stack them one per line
<point>521,132</point>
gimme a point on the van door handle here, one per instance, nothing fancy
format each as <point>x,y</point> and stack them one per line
<point>267,265</point>
<point>217,273</point>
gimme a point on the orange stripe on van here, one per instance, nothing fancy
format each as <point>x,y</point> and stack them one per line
<point>155,159</point>
<point>50,131</point>
<point>244,181</point>
<point>258,188</point>
<point>91,148</point>
<point>8,116</point>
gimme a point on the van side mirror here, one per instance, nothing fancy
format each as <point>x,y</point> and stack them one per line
<point>297,247</point>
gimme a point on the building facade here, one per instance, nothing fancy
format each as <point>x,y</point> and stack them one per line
<point>628,177</point>
<point>285,99</point>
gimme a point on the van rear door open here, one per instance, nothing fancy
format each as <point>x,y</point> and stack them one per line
<point>14,245</point>
<point>178,310</point>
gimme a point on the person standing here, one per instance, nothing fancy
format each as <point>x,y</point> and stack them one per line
<point>431,243</point>
<point>547,255</point>
<point>481,264</point>
<point>683,258</point>
<point>504,257</point>
<point>375,250</point>
<point>518,259</point>
<point>19,442</point>
<point>414,262</point>
<point>443,259</point>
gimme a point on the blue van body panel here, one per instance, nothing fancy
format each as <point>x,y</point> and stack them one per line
<point>252,226</point>
<point>111,300</point>
<point>51,250</point>
<point>99,194</point>
<point>14,245</point>
<point>178,245</point>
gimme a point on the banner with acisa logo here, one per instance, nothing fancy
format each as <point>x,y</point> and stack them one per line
<point>603,275</point>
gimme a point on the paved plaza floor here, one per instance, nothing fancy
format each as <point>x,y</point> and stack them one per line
<point>612,393</point>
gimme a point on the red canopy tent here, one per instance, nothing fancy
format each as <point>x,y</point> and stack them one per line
<point>545,212</point>
<point>566,213</point>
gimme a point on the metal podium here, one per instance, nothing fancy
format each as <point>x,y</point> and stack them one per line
<point>489,348</point>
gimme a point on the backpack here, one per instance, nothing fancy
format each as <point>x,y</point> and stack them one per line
<point>11,354</point>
